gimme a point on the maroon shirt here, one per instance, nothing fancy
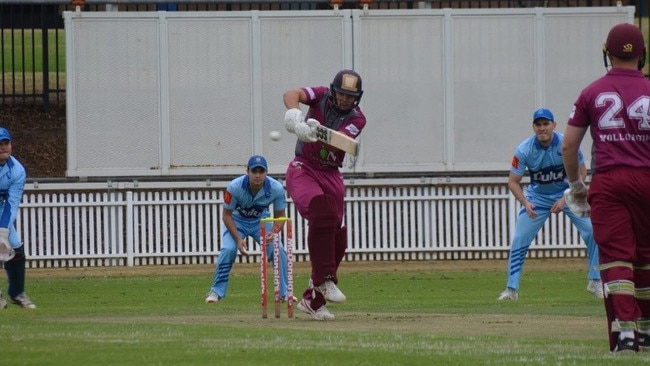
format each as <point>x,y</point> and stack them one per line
<point>351,123</point>
<point>617,108</point>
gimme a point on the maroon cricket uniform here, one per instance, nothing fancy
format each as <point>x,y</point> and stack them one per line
<point>616,107</point>
<point>315,183</point>
<point>315,169</point>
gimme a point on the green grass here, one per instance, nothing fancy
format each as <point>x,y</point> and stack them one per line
<point>22,60</point>
<point>392,317</point>
<point>22,50</point>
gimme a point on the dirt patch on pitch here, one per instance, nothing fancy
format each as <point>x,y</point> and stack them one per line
<point>464,325</point>
<point>556,264</point>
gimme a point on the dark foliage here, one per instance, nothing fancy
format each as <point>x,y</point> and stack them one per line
<point>38,138</point>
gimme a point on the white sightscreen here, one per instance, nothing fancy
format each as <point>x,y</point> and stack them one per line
<point>195,93</point>
<point>113,120</point>
<point>403,68</point>
<point>307,51</point>
<point>564,83</point>
<point>494,88</point>
<point>209,91</point>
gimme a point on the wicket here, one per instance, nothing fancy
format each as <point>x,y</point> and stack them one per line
<point>276,266</point>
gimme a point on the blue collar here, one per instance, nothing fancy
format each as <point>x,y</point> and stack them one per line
<point>266,187</point>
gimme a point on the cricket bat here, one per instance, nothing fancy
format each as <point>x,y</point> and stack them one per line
<point>338,140</point>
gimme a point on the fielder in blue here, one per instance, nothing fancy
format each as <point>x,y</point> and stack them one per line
<point>541,154</point>
<point>12,252</point>
<point>246,202</point>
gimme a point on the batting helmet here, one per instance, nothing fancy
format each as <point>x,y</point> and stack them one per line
<point>347,82</point>
<point>625,41</point>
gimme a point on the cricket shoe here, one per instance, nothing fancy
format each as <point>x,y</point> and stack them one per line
<point>625,345</point>
<point>319,314</point>
<point>212,298</point>
<point>509,294</point>
<point>595,287</point>
<point>23,301</point>
<point>331,292</point>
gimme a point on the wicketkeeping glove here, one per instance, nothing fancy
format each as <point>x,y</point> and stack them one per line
<point>6,251</point>
<point>292,117</point>
<point>576,198</point>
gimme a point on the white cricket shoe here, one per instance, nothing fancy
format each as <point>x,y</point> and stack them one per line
<point>320,314</point>
<point>595,287</point>
<point>509,294</point>
<point>212,298</point>
<point>331,292</point>
<point>23,300</point>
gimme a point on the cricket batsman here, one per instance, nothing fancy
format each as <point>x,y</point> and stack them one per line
<point>315,182</point>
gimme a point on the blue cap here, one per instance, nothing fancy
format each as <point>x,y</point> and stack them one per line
<point>257,161</point>
<point>543,113</point>
<point>4,134</point>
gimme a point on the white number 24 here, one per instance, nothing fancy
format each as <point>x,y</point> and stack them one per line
<point>639,110</point>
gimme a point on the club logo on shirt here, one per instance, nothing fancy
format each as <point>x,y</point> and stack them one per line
<point>250,212</point>
<point>352,129</point>
<point>553,174</point>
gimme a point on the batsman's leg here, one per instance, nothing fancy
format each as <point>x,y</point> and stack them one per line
<point>620,302</point>
<point>340,245</point>
<point>323,227</point>
<point>642,294</point>
<point>322,231</point>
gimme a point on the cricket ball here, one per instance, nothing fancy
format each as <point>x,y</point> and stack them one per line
<point>274,135</point>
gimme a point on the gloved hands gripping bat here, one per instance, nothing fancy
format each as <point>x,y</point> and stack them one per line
<point>294,123</point>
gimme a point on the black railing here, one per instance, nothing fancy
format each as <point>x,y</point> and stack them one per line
<point>32,47</point>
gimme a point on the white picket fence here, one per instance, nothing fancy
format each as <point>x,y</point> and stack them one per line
<point>81,225</point>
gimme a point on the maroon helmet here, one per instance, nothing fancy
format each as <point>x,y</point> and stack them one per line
<point>625,41</point>
<point>347,82</point>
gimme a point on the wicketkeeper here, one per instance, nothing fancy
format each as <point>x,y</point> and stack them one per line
<point>12,251</point>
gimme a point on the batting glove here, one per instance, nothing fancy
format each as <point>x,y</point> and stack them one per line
<point>312,123</point>
<point>6,251</point>
<point>292,117</point>
<point>576,198</point>
<point>305,133</point>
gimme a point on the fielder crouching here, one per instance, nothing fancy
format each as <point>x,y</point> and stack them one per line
<point>315,182</point>
<point>12,251</point>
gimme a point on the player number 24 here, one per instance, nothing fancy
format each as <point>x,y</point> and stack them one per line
<point>638,110</point>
